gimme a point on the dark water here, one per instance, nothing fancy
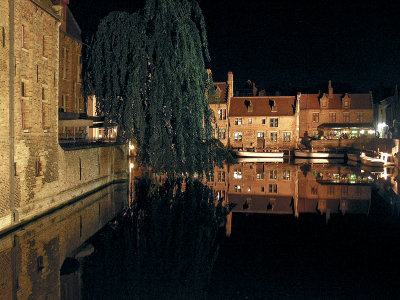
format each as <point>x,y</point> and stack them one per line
<point>321,231</point>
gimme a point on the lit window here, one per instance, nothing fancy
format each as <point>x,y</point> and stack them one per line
<point>221,176</point>
<point>249,189</point>
<point>286,175</point>
<point>315,117</point>
<point>273,137</point>
<point>250,121</point>
<point>287,136</point>
<point>237,174</point>
<point>273,174</point>
<point>273,122</point>
<point>210,176</point>
<point>260,175</point>
<point>346,103</point>
<point>237,136</point>
<point>238,188</point>
<point>222,133</point>
<point>260,134</point>
<point>238,121</point>
<point>222,114</point>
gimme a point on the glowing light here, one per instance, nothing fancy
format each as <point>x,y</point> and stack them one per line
<point>362,131</point>
<point>131,147</point>
<point>381,126</point>
<point>131,165</point>
<point>371,131</point>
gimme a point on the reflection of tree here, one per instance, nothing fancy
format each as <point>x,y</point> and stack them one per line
<point>167,243</point>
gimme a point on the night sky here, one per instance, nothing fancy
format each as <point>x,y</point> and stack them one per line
<point>290,45</point>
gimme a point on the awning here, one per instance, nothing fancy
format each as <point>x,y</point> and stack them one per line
<point>75,123</point>
<point>345,125</point>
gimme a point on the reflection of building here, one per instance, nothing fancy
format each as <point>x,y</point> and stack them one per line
<point>332,189</point>
<point>259,123</point>
<point>219,105</point>
<point>332,114</point>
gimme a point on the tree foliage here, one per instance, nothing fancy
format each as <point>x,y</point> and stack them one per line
<point>148,75</point>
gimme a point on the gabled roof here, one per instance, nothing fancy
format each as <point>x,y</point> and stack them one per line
<point>73,29</point>
<point>221,92</point>
<point>309,101</point>
<point>360,101</point>
<point>262,106</point>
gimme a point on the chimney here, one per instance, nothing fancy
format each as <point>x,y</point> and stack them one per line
<point>230,84</point>
<point>330,89</point>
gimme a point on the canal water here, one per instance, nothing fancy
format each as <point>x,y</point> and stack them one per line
<point>274,230</point>
<point>293,230</point>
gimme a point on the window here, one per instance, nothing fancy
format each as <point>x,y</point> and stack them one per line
<point>260,134</point>
<point>273,188</point>
<point>314,190</point>
<point>43,94</point>
<point>23,123</point>
<point>210,176</point>
<point>332,117</point>
<point>273,122</point>
<point>346,117</point>
<point>315,117</point>
<point>78,69</point>
<point>65,62</point>
<point>274,108</point>
<point>331,190</point>
<point>238,121</point>
<point>360,117</point>
<point>323,103</point>
<point>222,133</point>
<point>43,114</point>
<point>273,137</point>
<point>237,174</point>
<point>64,102</point>
<point>248,188</point>
<point>38,168</point>
<point>346,103</point>
<point>43,46</point>
<point>315,133</point>
<point>345,190</point>
<point>3,36</point>
<point>221,176</point>
<point>23,36</point>
<point>222,114</point>
<point>40,265</point>
<point>286,175</point>
<point>260,175</point>
<point>273,174</point>
<point>250,121</point>
<point>23,89</point>
<point>263,121</point>
<point>238,188</point>
<point>287,136</point>
<point>237,136</point>
<point>262,189</point>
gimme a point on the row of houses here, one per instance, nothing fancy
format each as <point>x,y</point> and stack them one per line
<point>280,122</point>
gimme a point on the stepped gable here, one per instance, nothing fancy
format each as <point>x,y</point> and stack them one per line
<point>262,106</point>
<point>221,92</point>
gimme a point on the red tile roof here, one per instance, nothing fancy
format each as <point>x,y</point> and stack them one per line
<point>357,101</point>
<point>221,90</point>
<point>262,106</point>
<point>361,101</point>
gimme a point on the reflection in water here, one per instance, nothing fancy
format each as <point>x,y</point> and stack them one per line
<point>164,249</point>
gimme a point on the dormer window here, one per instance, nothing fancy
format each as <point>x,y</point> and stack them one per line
<point>346,103</point>
<point>323,103</point>
<point>274,108</point>
<point>248,105</point>
<point>272,104</point>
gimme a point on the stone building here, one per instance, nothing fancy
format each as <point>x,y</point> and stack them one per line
<point>334,115</point>
<point>219,105</point>
<point>263,123</point>
<point>36,174</point>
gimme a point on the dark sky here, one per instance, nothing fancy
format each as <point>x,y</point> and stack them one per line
<point>288,44</point>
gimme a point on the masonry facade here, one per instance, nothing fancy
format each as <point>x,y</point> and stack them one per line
<point>336,115</point>
<point>36,174</point>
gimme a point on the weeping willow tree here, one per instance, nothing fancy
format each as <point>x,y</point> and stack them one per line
<point>148,75</point>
